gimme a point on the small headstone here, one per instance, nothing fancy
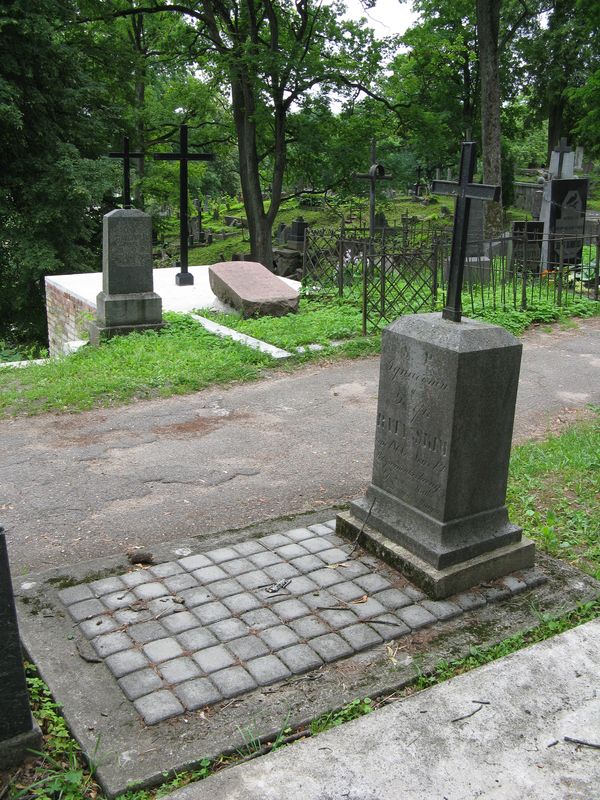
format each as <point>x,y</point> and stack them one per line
<point>526,245</point>
<point>563,217</point>
<point>127,301</point>
<point>252,289</point>
<point>381,222</point>
<point>18,732</point>
<point>475,235</point>
<point>562,161</point>
<point>295,239</point>
<point>282,234</point>
<point>578,158</point>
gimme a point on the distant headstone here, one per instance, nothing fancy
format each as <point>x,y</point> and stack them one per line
<point>127,301</point>
<point>282,234</point>
<point>475,233</point>
<point>252,289</point>
<point>578,158</point>
<point>295,239</point>
<point>562,161</point>
<point>526,245</point>
<point>18,731</point>
<point>381,222</point>
<point>562,212</point>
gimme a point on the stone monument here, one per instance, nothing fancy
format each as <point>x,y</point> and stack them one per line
<point>18,731</point>
<point>435,507</point>
<point>252,289</point>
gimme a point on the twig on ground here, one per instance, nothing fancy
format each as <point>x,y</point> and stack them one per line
<point>466,716</point>
<point>582,742</point>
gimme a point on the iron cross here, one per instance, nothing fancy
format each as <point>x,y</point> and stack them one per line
<point>183,278</point>
<point>126,155</point>
<point>376,173</point>
<point>464,191</point>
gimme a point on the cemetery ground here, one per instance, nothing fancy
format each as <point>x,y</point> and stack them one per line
<point>553,493</point>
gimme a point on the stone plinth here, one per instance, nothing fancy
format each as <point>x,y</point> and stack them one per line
<point>252,289</point>
<point>18,732</point>
<point>445,415</point>
<point>127,301</point>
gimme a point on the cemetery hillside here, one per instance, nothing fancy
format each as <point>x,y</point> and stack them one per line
<point>299,399</point>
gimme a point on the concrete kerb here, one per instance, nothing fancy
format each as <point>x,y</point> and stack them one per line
<point>130,753</point>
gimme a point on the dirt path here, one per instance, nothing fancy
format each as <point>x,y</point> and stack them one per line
<point>75,487</point>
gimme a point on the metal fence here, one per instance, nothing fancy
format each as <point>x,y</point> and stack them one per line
<point>405,270</point>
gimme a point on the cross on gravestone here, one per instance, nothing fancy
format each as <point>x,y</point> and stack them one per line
<point>464,191</point>
<point>418,185</point>
<point>376,173</point>
<point>562,148</point>
<point>126,155</point>
<point>183,278</point>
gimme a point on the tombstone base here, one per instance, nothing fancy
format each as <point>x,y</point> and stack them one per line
<point>184,279</point>
<point>15,750</point>
<point>438,583</point>
<point>100,333</point>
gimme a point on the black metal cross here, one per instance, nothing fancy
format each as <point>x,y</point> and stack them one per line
<point>126,155</point>
<point>464,191</point>
<point>183,278</point>
<point>417,185</point>
<point>376,173</point>
<point>561,148</point>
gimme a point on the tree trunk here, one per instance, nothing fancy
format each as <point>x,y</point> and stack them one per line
<point>488,23</point>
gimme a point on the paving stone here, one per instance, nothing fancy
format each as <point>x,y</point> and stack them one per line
<point>320,599</point>
<point>86,609</point>
<point>333,556</point>
<point>337,541</point>
<point>125,662</point>
<point>196,596</point>
<point>331,523</point>
<point>301,585</point>
<point>208,575</point>
<point>248,647</point>
<point>331,647</point>
<point>309,627</point>
<point>198,693</point>
<point>137,684</point>
<point>248,548</point>
<point>353,568</point>
<point>163,606</point>
<point>147,632</point>
<point>372,608</point>
<point>150,591</point>
<point>389,626</point>
<point>225,588</point>
<point>494,594</point>
<point>392,598</point>
<point>279,571</point>
<point>106,586</point>
<point>240,603</point>
<point>415,594</point>
<point>320,529</point>
<point>372,582</point>
<point>442,609</point>
<point>97,625</point>
<point>272,598</point>
<point>221,554</point>
<point>167,569</point>
<point>327,577</point>
<point>416,617</point>
<point>533,578</point>
<point>238,566</point>
<point>265,559</point>
<point>279,636</point>
<point>137,577</point>
<point>290,551</point>
<point>261,618</point>
<point>213,659</point>
<point>131,616</point>
<point>307,563</point>
<point>179,670</point>
<point>300,658</point>
<point>268,669</point>
<point>361,636</point>
<point>338,618</point>
<point>291,609</point>
<point>229,629</point>
<point>158,706</point>
<point>211,612</point>
<point>514,584</point>
<point>110,643</point>
<point>233,681</point>
<point>316,544</point>
<point>163,649</point>
<point>470,600</point>
<point>75,594</point>
<point>347,590</point>
<point>274,540</point>
<point>120,599</point>
<point>178,583</point>
<point>196,639</point>
<point>299,534</point>
<point>177,623</point>
<point>254,580</point>
<point>192,563</point>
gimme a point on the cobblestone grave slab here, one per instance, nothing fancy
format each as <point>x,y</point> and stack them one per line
<point>209,627</point>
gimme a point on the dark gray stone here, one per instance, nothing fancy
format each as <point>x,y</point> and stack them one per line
<point>260,619</point>
<point>361,636</point>
<point>281,636</point>
<point>222,554</point>
<point>240,603</point>
<point>213,659</point>
<point>238,566</point>
<point>196,596</point>
<point>299,534</point>
<point>248,647</point>
<point>150,591</point>
<point>416,617</point>
<point>330,647</point>
<point>179,670</point>
<point>279,571</point>
<point>309,627</point>
<point>110,643</point>
<point>338,618</point>
<point>75,594</point>
<point>96,625</point>
<point>225,588</point>
<point>137,577</point>
<point>233,681</point>
<point>229,629</point>
<point>197,694</point>
<point>254,580</point>
<point>267,669</point>
<point>300,658</point>
<point>177,623</point>
<point>389,626</point>
<point>210,574</point>
<point>149,631</point>
<point>307,563</point>
<point>347,591</point>
<point>191,563</point>
<point>393,599</point>
<point>158,706</point>
<point>316,544</point>
<point>137,684</point>
<point>127,661</point>
<point>163,649</point>
<point>106,586</point>
<point>196,639</point>
<point>166,569</point>
<point>442,609</point>
<point>86,610</point>
<point>248,548</point>
<point>211,612</point>
<point>288,610</point>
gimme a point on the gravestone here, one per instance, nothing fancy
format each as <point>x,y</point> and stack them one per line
<point>281,236</point>
<point>526,245</point>
<point>252,289</point>
<point>18,731</point>
<point>295,239</point>
<point>127,302</point>
<point>578,158</point>
<point>475,235</point>
<point>436,504</point>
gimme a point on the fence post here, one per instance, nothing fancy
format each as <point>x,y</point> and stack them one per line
<point>559,287</point>
<point>341,260</point>
<point>524,281</point>
<point>597,268</point>
<point>434,266</point>
<point>365,283</point>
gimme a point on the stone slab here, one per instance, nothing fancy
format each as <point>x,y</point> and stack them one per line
<point>432,745</point>
<point>252,289</point>
<point>126,252</point>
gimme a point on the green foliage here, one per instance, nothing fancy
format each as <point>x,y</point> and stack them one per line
<point>333,719</point>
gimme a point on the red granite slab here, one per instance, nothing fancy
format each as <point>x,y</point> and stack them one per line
<point>252,289</point>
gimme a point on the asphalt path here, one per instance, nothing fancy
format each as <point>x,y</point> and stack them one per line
<point>80,486</point>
